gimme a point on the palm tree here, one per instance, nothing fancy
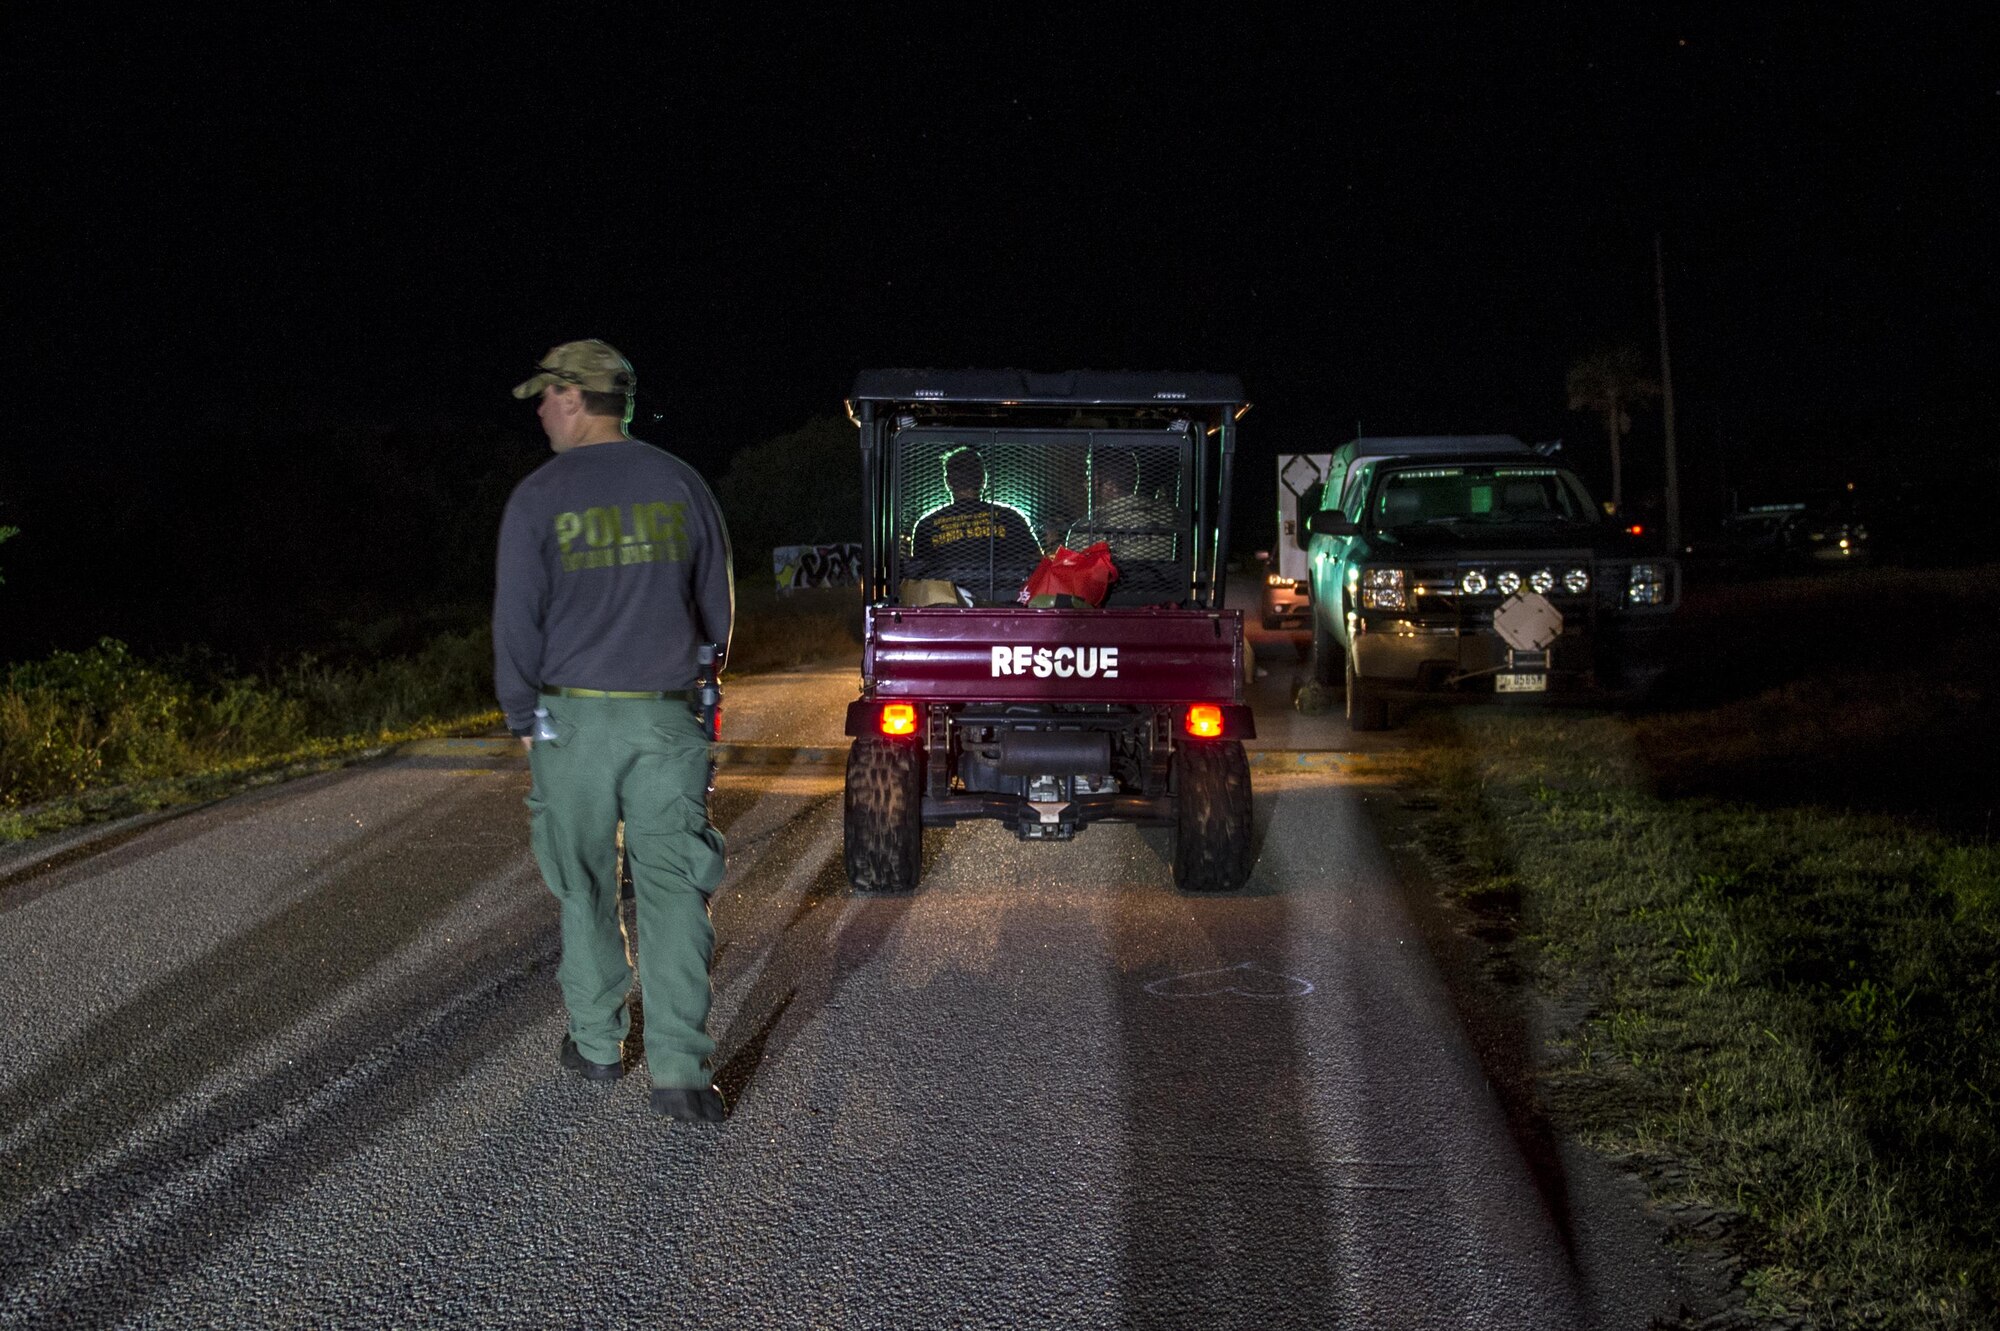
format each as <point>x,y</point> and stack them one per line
<point>1607,382</point>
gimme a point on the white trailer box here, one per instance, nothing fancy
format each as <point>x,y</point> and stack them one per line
<point>1287,589</point>
<point>1299,476</point>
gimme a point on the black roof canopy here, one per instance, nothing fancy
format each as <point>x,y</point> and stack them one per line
<point>1065,388</point>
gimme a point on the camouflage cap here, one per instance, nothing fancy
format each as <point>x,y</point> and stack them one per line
<point>589,364</point>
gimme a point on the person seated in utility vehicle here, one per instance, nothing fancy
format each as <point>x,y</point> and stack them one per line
<point>985,547</point>
<point>1134,523</point>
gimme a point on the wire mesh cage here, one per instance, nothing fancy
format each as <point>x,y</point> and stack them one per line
<point>978,508</point>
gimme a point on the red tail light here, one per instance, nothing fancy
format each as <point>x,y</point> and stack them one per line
<point>899,718</point>
<point>1204,721</point>
<point>1635,530</point>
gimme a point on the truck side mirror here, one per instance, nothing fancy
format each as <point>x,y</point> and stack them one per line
<point>1332,522</point>
<point>1307,506</point>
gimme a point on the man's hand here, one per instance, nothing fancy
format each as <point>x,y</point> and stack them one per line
<point>527,743</point>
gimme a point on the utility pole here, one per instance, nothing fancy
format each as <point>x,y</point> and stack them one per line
<point>1667,399</point>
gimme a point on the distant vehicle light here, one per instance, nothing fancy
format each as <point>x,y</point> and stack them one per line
<point>1204,721</point>
<point>1279,580</point>
<point>1542,580</point>
<point>1473,582</point>
<point>1577,581</point>
<point>899,718</point>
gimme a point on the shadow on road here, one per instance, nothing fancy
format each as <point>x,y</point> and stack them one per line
<point>1472,949</point>
<point>831,934</point>
<point>1224,1199</point>
<point>148,1197</point>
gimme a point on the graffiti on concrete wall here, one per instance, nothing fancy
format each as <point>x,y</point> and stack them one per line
<point>837,565</point>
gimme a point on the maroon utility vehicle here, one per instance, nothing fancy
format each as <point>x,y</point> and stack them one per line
<point>1052,715</point>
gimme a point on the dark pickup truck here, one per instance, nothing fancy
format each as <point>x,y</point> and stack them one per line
<point>1471,568</point>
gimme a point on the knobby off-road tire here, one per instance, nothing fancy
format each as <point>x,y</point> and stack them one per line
<point>883,824</point>
<point>1212,816</point>
<point>1365,711</point>
<point>1328,660</point>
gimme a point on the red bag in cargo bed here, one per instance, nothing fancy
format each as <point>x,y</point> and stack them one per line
<point>1086,574</point>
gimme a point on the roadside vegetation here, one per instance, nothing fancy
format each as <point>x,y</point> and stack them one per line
<point>783,630</point>
<point>100,732</point>
<point>1776,906</point>
<point>342,650</point>
<point>103,732</point>
<point>800,488</point>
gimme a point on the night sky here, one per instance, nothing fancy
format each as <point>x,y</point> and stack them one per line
<point>296,224</point>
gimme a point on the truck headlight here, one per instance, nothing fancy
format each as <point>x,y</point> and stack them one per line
<point>1577,581</point>
<point>1647,585</point>
<point>1382,589</point>
<point>1473,582</point>
<point>1542,580</point>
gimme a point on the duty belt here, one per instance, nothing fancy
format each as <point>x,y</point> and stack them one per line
<point>680,695</point>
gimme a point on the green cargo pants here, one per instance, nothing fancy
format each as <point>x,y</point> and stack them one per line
<point>645,761</point>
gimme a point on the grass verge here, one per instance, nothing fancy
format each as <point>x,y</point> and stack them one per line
<point>100,733</point>
<point>217,779</point>
<point>97,734</point>
<point>1791,976</point>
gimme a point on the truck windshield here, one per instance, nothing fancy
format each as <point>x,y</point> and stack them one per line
<point>1497,493</point>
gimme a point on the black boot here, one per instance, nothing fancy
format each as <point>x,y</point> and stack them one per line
<point>690,1104</point>
<point>573,1059</point>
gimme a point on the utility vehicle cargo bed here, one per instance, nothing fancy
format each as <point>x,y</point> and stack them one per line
<point>943,653</point>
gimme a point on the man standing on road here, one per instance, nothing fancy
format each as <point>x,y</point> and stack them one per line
<point>613,568</point>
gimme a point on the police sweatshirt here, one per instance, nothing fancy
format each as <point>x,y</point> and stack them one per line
<point>613,567</point>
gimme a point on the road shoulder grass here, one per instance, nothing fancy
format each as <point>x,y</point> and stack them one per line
<point>1784,1014</point>
<point>100,734</point>
<point>217,779</point>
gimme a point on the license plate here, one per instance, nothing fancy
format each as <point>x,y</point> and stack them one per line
<point>1520,683</point>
